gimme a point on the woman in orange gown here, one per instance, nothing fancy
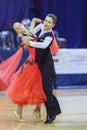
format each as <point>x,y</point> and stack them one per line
<point>26,84</point>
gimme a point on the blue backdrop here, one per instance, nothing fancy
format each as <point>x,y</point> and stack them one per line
<point>12,11</point>
<point>72,17</point>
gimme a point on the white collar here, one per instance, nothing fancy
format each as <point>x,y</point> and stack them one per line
<point>44,31</point>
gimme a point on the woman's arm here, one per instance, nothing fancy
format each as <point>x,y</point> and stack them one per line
<point>33,23</point>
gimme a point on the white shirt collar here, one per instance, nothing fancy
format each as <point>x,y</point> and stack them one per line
<point>44,31</point>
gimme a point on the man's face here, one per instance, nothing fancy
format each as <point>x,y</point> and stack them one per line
<point>48,23</point>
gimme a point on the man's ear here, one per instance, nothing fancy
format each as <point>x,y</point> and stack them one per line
<point>53,25</point>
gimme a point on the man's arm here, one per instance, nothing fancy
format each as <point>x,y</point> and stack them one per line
<point>43,44</point>
<point>35,44</point>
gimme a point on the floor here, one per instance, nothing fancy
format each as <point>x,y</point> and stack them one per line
<point>74,113</point>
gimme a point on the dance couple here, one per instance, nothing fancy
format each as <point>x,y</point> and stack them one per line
<point>32,82</point>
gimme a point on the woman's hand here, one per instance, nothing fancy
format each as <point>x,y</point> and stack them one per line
<point>36,20</point>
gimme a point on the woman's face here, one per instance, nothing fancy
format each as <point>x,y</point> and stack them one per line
<point>19,28</point>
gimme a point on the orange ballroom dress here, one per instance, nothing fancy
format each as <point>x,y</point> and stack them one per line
<point>26,84</point>
<point>8,68</point>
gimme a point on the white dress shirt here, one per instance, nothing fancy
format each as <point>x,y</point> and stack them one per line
<point>46,41</point>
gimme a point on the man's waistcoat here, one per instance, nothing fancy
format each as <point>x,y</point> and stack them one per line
<point>43,54</point>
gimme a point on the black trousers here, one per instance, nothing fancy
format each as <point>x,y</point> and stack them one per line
<point>47,70</point>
